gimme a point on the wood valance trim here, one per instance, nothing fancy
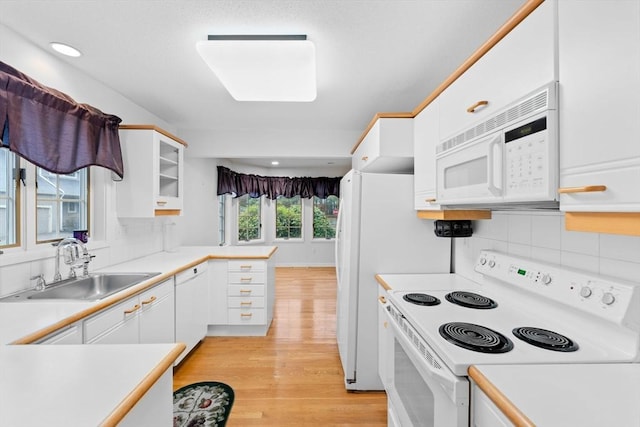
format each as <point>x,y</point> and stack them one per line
<point>505,29</point>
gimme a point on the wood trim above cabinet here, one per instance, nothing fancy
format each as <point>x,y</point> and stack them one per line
<point>157,129</point>
<point>627,223</point>
<point>167,212</point>
<point>455,214</point>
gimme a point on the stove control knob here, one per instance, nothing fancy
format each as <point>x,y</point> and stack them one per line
<point>492,263</point>
<point>608,298</point>
<point>483,261</point>
<point>585,292</point>
<point>546,279</point>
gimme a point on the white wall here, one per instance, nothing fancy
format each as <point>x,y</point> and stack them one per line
<point>542,236</point>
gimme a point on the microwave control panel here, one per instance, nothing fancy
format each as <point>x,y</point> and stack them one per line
<point>527,159</point>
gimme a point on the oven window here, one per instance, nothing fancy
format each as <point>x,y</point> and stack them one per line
<point>415,395</point>
<point>465,174</point>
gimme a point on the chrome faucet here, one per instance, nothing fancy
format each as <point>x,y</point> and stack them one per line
<point>72,257</point>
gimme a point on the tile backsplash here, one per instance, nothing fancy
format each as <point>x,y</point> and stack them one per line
<point>542,236</point>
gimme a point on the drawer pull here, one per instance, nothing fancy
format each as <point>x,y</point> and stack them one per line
<point>585,189</point>
<point>365,158</point>
<point>246,314</point>
<point>475,106</point>
<point>246,279</point>
<point>245,291</point>
<point>245,267</point>
<point>382,299</point>
<point>149,301</point>
<point>161,203</point>
<point>431,200</point>
<point>246,302</point>
<point>132,309</point>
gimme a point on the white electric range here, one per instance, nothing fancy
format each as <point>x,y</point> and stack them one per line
<point>518,312</point>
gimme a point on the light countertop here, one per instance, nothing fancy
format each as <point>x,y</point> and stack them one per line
<point>27,321</point>
<point>592,395</point>
<point>79,385</point>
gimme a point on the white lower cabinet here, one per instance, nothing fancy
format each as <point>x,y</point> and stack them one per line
<point>484,413</point>
<point>143,318</point>
<point>70,335</point>
<point>191,307</point>
<point>156,406</point>
<point>241,297</point>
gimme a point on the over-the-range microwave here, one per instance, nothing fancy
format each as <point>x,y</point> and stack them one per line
<point>507,161</point>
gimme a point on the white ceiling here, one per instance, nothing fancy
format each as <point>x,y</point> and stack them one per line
<point>372,56</point>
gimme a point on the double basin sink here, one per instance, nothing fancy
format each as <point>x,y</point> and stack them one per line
<point>91,288</point>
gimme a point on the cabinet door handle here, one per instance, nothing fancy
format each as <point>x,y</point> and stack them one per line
<point>475,106</point>
<point>382,299</point>
<point>245,267</point>
<point>132,309</point>
<point>245,291</point>
<point>365,158</point>
<point>246,302</point>
<point>585,189</point>
<point>246,314</point>
<point>246,279</point>
<point>431,200</point>
<point>161,203</point>
<point>149,301</point>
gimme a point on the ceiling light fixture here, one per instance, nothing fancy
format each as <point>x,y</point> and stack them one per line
<point>275,163</point>
<point>263,67</point>
<point>65,49</point>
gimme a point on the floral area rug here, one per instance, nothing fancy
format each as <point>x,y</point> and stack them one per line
<point>205,404</point>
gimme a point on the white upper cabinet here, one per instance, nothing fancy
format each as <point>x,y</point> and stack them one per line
<point>153,173</point>
<point>599,51</point>
<point>523,61</point>
<point>387,147</point>
<point>426,137</point>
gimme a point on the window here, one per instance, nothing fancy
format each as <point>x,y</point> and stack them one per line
<point>288,217</point>
<point>222,205</point>
<point>61,204</point>
<point>8,198</point>
<point>249,218</point>
<point>325,217</point>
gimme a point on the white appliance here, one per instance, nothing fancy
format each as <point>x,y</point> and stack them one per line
<point>511,158</point>
<point>377,231</point>
<point>519,312</point>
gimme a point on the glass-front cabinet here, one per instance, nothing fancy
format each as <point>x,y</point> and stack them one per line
<point>153,172</point>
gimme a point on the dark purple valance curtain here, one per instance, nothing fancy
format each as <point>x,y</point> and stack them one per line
<point>239,184</point>
<point>51,130</point>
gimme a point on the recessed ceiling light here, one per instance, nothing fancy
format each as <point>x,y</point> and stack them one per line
<point>263,67</point>
<point>65,49</point>
<point>275,163</point>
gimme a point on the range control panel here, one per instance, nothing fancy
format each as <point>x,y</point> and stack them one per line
<point>606,297</point>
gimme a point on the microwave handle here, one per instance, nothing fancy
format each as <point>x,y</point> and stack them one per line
<point>493,188</point>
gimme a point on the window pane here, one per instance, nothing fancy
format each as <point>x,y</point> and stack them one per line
<point>61,204</point>
<point>8,164</point>
<point>249,227</point>
<point>222,201</point>
<point>325,216</point>
<point>289,218</point>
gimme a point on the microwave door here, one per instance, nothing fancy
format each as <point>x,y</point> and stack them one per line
<point>471,173</point>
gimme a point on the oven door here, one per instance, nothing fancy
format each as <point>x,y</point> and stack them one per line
<point>471,173</point>
<point>422,391</point>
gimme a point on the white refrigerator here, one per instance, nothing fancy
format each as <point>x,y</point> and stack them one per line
<point>378,231</point>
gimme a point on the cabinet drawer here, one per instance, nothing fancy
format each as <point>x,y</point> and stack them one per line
<point>107,319</point>
<point>246,278</point>
<point>240,316</point>
<point>157,292</point>
<point>247,265</point>
<point>245,290</point>
<point>245,302</point>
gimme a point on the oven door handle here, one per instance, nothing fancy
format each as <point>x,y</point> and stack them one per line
<point>456,388</point>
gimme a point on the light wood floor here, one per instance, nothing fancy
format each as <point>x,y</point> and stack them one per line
<point>293,376</point>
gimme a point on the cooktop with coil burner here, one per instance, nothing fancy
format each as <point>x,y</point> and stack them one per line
<point>471,300</point>
<point>475,337</point>
<point>421,299</point>
<point>543,338</point>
